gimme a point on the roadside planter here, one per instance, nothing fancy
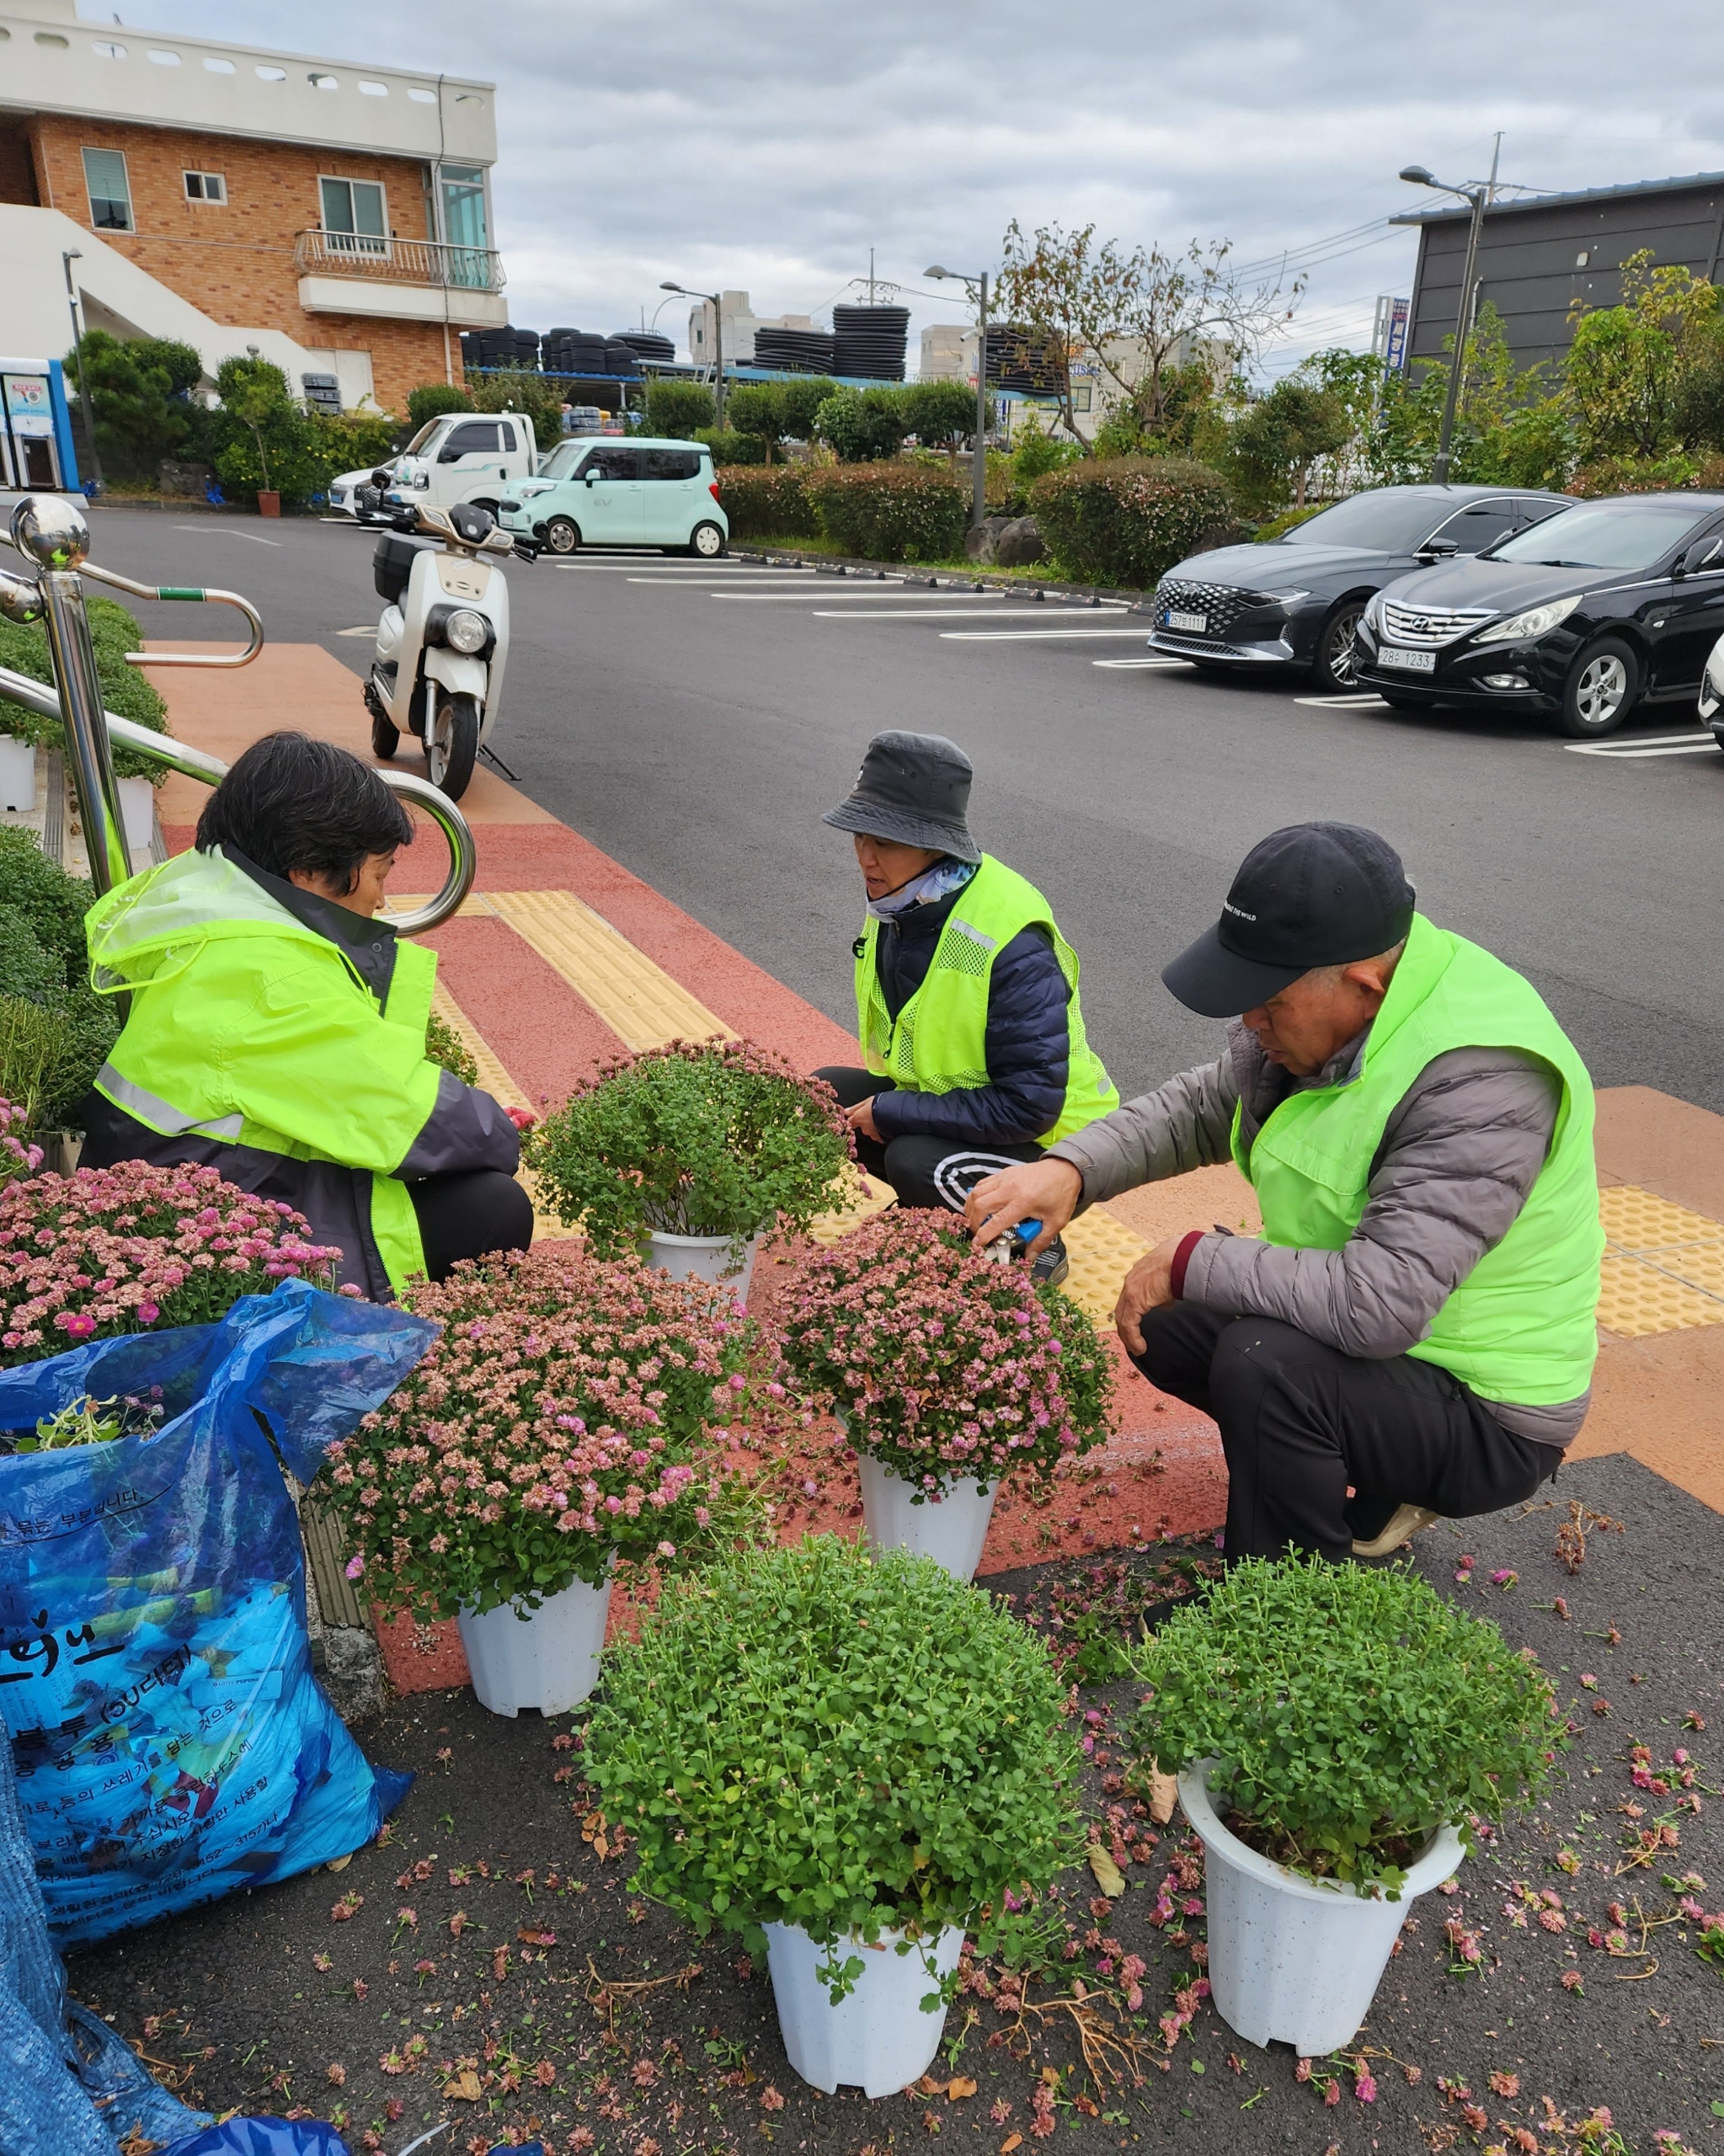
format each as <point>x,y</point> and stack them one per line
<point>1337,1732</point>
<point>946,1373</point>
<point>688,1154</point>
<point>850,1761</point>
<point>566,1420</point>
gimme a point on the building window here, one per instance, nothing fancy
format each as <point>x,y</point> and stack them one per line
<point>463,191</point>
<point>353,216</point>
<point>110,191</point>
<point>205,187</point>
<point>1081,392</point>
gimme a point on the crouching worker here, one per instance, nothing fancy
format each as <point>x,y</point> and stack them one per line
<point>1418,1324</point>
<point>966,993</point>
<point>276,1031</point>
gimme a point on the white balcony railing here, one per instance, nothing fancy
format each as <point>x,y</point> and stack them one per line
<point>398,261</point>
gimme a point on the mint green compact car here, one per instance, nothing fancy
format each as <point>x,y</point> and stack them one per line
<point>641,492</point>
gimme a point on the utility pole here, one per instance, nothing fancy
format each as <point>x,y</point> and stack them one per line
<point>68,256</point>
<point>1477,193</point>
<point>978,284</point>
<point>717,299</point>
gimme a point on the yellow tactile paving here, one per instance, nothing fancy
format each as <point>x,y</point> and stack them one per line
<point>475,906</point>
<point>1635,1219</point>
<point>1637,1301</point>
<point>638,1000</point>
<point>866,1196</point>
<point>495,1081</point>
<point>1663,1265</point>
<point>1102,1250</point>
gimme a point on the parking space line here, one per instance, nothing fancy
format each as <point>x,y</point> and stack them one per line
<point>1683,745</point>
<point>1363,701</point>
<point>919,614</point>
<point>1135,665</point>
<point>1022,636</point>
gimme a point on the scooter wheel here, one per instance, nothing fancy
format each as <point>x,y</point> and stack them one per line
<point>452,743</point>
<point>386,739</point>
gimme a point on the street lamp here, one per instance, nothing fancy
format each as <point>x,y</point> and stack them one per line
<point>715,300</point>
<point>978,458</point>
<point>68,256</point>
<point>1478,194</point>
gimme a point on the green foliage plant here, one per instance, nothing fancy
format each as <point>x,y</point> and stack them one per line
<point>862,426</point>
<point>942,1362</point>
<point>731,448</point>
<point>712,1138</point>
<point>431,400</point>
<point>572,1413</point>
<point>763,500</point>
<point>1278,437</point>
<point>138,395</point>
<point>1350,1712</point>
<point>848,1741</point>
<point>896,512</point>
<point>1288,520</point>
<point>940,414</point>
<point>445,1047</point>
<point>519,389</point>
<point>127,690</point>
<point>754,412</point>
<point>1628,371</point>
<point>799,397</point>
<point>676,409</point>
<point>1126,521</point>
<point>1035,452</point>
<point>55,1030</point>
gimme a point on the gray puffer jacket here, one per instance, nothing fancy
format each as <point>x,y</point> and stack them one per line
<point>1458,1160</point>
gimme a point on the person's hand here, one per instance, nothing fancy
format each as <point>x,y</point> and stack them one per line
<point>1046,1191</point>
<point>860,1119</point>
<point>1148,1286</point>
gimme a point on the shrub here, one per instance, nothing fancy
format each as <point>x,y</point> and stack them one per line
<point>889,512</point>
<point>730,448</point>
<point>718,1138</point>
<point>943,1363</point>
<point>127,690</point>
<point>566,1415</point>
<point>755,413</point>
<point>1351,1713</point>
<point>939,414</point>
<point>678,408</point>
<point>1644,475</point>
<point>798,399</point>
<point>446,1047</point>
<point>519,389</point>
<point>1288,520</point>
<point>862,425</point>
<point>138,397</point>
<point>767,500</point>
<point>260,439</point>
<point>137,1248</point>
<point>850,1741</point>
<point>346,441</point>
<point>431,400</point>
<point>1126,521</point>
<point>55,1030</point>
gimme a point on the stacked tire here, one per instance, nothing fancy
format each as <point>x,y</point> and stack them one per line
<point>868,342</point>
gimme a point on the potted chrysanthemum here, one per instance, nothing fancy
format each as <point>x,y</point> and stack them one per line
<point>571,1415</point>
<point>947,1372</point>
<point>847,1759</point>
<point>1336,1730</point>
<point>689,1153</point>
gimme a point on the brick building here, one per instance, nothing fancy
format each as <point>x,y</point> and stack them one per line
<point>335,216</point>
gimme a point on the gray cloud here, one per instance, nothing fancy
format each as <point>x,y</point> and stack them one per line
<point>768,145</point>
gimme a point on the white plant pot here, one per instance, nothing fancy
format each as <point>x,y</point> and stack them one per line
<point>1292,1960</point>
<point>137,811</point>
<point>547,1658</point>
<point>703,1257</point>
<point>950,1529</point>
<point>877,2039</point>
<point>18,774</point>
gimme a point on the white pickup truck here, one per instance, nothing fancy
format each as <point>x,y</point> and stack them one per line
<point>459,456</point>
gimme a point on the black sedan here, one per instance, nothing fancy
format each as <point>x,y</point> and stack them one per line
<point>1296,602</point>
<point>1611,603</point>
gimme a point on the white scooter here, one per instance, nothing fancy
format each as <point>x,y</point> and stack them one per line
<point>1711,696</point>
<point>442,637</point>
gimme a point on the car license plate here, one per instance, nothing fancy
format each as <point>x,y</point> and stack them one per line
<point>1411,661</point>
<point>1197,623</point>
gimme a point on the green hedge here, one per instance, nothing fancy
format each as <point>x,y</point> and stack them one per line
<point>126,692</point>
<point>731,448</point>
<point>767,501</point>
<point>1126,521</point>
<point>889,512</point>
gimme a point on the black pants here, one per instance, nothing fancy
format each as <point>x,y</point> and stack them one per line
<point>472,1213</point>
<point>1299,1422</point>
<point>927,1171</point>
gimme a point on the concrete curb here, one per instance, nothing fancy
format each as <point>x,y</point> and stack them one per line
<point>1048,589</point>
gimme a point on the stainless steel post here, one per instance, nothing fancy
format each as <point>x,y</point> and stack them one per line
<point>50,531</point>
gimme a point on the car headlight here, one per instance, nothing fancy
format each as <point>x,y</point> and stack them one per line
<point>466,631</point>
<point>1372,616</point>
<point>1536,622</point>
<point>1285,598</point>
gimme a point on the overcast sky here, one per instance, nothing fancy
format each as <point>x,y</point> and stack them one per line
<point>768,144</point>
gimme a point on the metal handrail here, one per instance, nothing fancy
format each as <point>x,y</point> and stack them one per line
<point>193,591</point>
<point>445,264</point>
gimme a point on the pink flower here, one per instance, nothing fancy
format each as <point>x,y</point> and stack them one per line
<point>667,1549</point>
<point>1365,2089</point>
<point>147,1313</point>
<point>354,1567</point>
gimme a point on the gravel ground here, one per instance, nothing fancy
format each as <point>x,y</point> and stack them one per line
<point>491,1949</point>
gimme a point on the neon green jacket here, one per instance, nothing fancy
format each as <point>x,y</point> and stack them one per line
<point>281,1039</point>
<point>938,1042</point>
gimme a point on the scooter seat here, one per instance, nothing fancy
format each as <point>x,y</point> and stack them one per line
<point>391,564</point>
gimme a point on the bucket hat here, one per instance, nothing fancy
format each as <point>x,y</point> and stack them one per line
<point>913,788</point>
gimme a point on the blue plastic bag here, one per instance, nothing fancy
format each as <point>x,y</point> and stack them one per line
<point>263,2136</point>
<point>170,1741</point>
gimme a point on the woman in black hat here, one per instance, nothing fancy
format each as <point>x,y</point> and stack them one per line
<point>975,1056</point>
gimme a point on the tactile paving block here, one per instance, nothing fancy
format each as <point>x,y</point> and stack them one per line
<point>867,1197</point>
<point>1102,1250</point>
<point>495,1080</point>
<point>1637,1301</point>
<point>1636,1221</point>
<point>642,1004</point>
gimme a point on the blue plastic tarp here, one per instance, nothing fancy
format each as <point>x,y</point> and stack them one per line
<point>170,1741</point>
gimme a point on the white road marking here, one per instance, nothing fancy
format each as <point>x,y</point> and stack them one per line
<point>362,631</point>
<point>1361,702</point>
<point>947,613</point>
<point>1141,665</point>
<point>1020,635</point>
<point>222,531</point>
<point>1678,744</point>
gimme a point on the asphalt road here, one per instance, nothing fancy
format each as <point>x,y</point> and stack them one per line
<point>694,728</point>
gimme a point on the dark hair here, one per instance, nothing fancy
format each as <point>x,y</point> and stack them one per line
<point>293,802</point>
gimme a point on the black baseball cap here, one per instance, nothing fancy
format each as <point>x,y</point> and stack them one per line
<point>1313,894</point>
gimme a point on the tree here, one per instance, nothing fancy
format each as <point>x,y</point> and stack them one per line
<point>433,399</point>
<point>1509,428</point>
<point>799,398</point>
<point>262,435</point>
<point>862,425</point>
<point>1135,314</point>
<point>1627,372</point>
<point>1278,437</point>
<point>520,389</point>
<point>940,414</point>
<point>677,408</point>
<point>756,409</point>
<point>138,399</point>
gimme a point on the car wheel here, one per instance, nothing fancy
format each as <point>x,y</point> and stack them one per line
<point>562,535</point>
<point>1601,690</point>
<point>385,738</point>
<point>707,542</point>
<point>1335,666</point>
<point>451,742</point>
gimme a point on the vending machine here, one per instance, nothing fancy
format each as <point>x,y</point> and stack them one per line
<point>36,455</point>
